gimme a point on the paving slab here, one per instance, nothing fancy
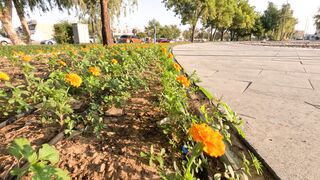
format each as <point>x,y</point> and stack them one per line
<point>276,90</point>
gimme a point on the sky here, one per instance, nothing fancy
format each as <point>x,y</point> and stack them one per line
<point>304,10</point>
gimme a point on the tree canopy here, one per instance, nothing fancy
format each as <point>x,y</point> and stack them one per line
<point>190,11</point>
<point>167,31</point>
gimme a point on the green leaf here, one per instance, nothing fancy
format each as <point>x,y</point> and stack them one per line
<point>205,92</point>
<point>21,147</point>
<point>49,153</point>
<point>160,161</point>
<point>11,101</point>
<point>61,174</point>
<point>142,154</point>
<point>18,172</point>
<point>41,171</point>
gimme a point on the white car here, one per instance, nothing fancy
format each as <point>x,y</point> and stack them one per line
<point>4,41</point>
<point>48,42</point>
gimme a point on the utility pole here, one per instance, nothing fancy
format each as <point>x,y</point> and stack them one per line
<point>306,29</point>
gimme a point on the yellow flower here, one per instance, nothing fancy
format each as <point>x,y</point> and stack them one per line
<point>212,140</point>
<point>62,63</point>
<point>4,76</point>
<point>183,80</point>
<point>26,58</point>
<point>18,53</point>
<point>73,79</point>
<point>170,56</point>
<point>114,61</point>
<point>94,71</point>
<point>177,67</point>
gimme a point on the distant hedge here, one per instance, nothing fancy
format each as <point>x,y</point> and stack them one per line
<point>63,33</point>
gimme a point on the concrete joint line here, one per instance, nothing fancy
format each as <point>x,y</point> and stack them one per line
<point>313,105</point>
<point>311,84</point>
<point>305,70</point>
<point>249,84</point>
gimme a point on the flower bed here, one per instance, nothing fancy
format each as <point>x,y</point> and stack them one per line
<point>127,112</point>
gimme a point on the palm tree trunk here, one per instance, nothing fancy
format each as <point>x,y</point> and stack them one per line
<point>6,20</point>
<point>20,11</point>
<point>105,19</point>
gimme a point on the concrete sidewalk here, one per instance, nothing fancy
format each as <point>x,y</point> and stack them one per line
<point>275,90</point>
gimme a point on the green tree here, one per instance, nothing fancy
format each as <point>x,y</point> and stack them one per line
<point>191,11</point>
<point>243,20</point>
<point>63,32</point>
<point>258,30</point>
<point>153,25</point>
<point>287,23</point>
<point>222,18</point>
<point>170,32</point>
<point>142,34</point>
<point>109,10</point>
<point>270,20</point>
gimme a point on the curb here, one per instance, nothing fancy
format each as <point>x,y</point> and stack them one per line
<point>242,140</point>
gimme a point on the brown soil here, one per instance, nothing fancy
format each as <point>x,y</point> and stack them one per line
<point>29,127</point>
<point>15,72</point>
<point>116,154</point>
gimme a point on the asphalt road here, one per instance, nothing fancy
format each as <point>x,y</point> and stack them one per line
<point>276,90</point>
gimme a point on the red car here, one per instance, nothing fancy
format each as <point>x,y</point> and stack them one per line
<point>163,40</point>
<point>130,39</point>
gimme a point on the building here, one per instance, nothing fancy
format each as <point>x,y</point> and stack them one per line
<point>38,31</point>
<point>298,35</point>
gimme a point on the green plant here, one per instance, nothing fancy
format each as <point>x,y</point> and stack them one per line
<point>152,156</point>
<point>41,165</point>
<point>63,32</point>
<point>256,164</point>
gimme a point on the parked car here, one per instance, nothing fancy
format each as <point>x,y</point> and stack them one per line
<point>163,40</point>
<point>93,39</point>
<point>48,42</point>
<point>130,39</point>
<point>4,41</point>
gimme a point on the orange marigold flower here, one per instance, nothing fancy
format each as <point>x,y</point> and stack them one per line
<point>62,63</point>
<point>164,51</point>
<point>4,76</point>
<point>26,58</point>
<point>85,49</point>
<point>170,56</point>
<point>94,71</point>
<point>183,80</point>
<point>73,79</point>
<point>177,67</point>
<point>212,140</point>
<point>114,61</point>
